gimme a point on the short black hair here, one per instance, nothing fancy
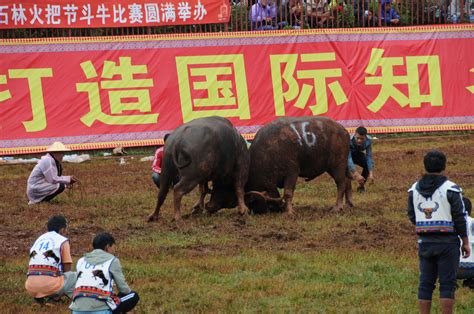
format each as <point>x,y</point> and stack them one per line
<point>166,137</point>
<point>467,205</point>
<point>56,223</point>
<point>101,240</point>
<point>361,131</point>
<point>434,161</point>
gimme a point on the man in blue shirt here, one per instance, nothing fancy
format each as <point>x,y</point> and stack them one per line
<point>359,143</point>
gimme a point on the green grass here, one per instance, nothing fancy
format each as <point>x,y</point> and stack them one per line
<point>363,260</point>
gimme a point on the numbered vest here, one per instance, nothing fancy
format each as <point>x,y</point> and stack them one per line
<point>45,255</point>
<point>433,214</point>
<point>94,281</point>
<point>469,262</point>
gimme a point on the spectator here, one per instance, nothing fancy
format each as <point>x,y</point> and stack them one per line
<point>466,265</point>
<point>263,16</point>
<point>46,180</point>
<point>359,143</point>
<point>318,12</point>
<point>97,272</point>
<point>294,13</point>
<point>436,208</point>
<point>49,271</point>
<point>388,15</point>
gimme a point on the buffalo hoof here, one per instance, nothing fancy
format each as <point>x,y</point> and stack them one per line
<point>349,205</point>
<point>197,210</point>
<point>153,217</point>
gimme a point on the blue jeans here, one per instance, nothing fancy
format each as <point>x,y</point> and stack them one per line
<point>438,260</point>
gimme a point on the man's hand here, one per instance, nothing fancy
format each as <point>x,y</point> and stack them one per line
<point>371,178</point>
<point>74,179</point>
<point>360,179</point>
<point>465,248</point>
<point>394,21</point>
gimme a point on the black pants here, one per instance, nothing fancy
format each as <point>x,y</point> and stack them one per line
<point>360,159</point>
<point>438,260</point>
<point>127,302</point>
<point>62,186</point>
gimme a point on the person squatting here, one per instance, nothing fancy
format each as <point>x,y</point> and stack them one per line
<point>91,286</point>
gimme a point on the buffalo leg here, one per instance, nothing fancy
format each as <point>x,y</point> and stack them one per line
<point>199,206</point>
<point>289,189</point>
<point>240,193</point>
<point>162,193</point>
<point>180,189</point>
<point>348,193</point>
<point>339,175</point>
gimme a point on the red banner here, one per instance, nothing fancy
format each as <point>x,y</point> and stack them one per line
<point>107,13</point>
<point>100,93</point>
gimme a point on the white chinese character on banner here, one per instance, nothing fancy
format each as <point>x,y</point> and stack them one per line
<point>18,14</point>
<point>169,13</point>
<point>136,13</point>
<point>35,11</point>
<point>102,12</point>
<point>184,11</point>
<point>4,15</point>
<point>152,13</point>
<point>52,14</point>
<point>199,11</point>
<point>70,11</point>
<point>86,14</point>
<point>118,14</point>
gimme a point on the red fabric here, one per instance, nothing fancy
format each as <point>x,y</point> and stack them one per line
<point>110,13</point>
<point>183,79</point>
<point>156,167</point>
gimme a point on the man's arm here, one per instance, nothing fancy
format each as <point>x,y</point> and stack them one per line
<point>66,259</point>
<point>117,274</point>
<point>459,218</point>
<point>370,160</point>
<point>411,208</point>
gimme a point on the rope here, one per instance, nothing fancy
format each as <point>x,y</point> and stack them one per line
<point>76,186</point>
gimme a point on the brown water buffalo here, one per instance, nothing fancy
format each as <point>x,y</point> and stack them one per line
<point>289,148</point>
<point>203,150</point>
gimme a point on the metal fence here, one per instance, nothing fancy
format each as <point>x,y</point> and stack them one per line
<point>250,15</point>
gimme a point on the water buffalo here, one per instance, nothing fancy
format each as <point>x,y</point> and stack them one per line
<point>289,148</point>
<point>203,150</point>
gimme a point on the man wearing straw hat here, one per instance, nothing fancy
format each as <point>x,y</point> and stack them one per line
<point>46,180</point>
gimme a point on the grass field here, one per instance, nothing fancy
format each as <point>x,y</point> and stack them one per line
<point>363,260</point>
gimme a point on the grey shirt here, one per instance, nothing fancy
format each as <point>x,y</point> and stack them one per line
<point>97,257</point>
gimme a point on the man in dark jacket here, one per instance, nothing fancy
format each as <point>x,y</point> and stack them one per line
<point>435,206</point>
<point>361,142</point>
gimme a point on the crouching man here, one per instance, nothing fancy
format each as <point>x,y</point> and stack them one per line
<point>49,269</point>
<point>97,272</point>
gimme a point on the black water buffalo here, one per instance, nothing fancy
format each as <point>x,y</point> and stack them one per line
<point>289,148</point>
<point>203,150</point>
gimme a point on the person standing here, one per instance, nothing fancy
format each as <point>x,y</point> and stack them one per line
<point>46,180</point>
<point>466,265</point>
<point>436,208</point>
<point>361,142</point>
<point>49,270</point>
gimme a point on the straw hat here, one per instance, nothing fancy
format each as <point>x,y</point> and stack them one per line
<point>57,147</point>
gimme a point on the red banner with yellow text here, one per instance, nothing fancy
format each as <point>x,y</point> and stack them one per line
<point>108,13</point>
<point>130,91</point>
